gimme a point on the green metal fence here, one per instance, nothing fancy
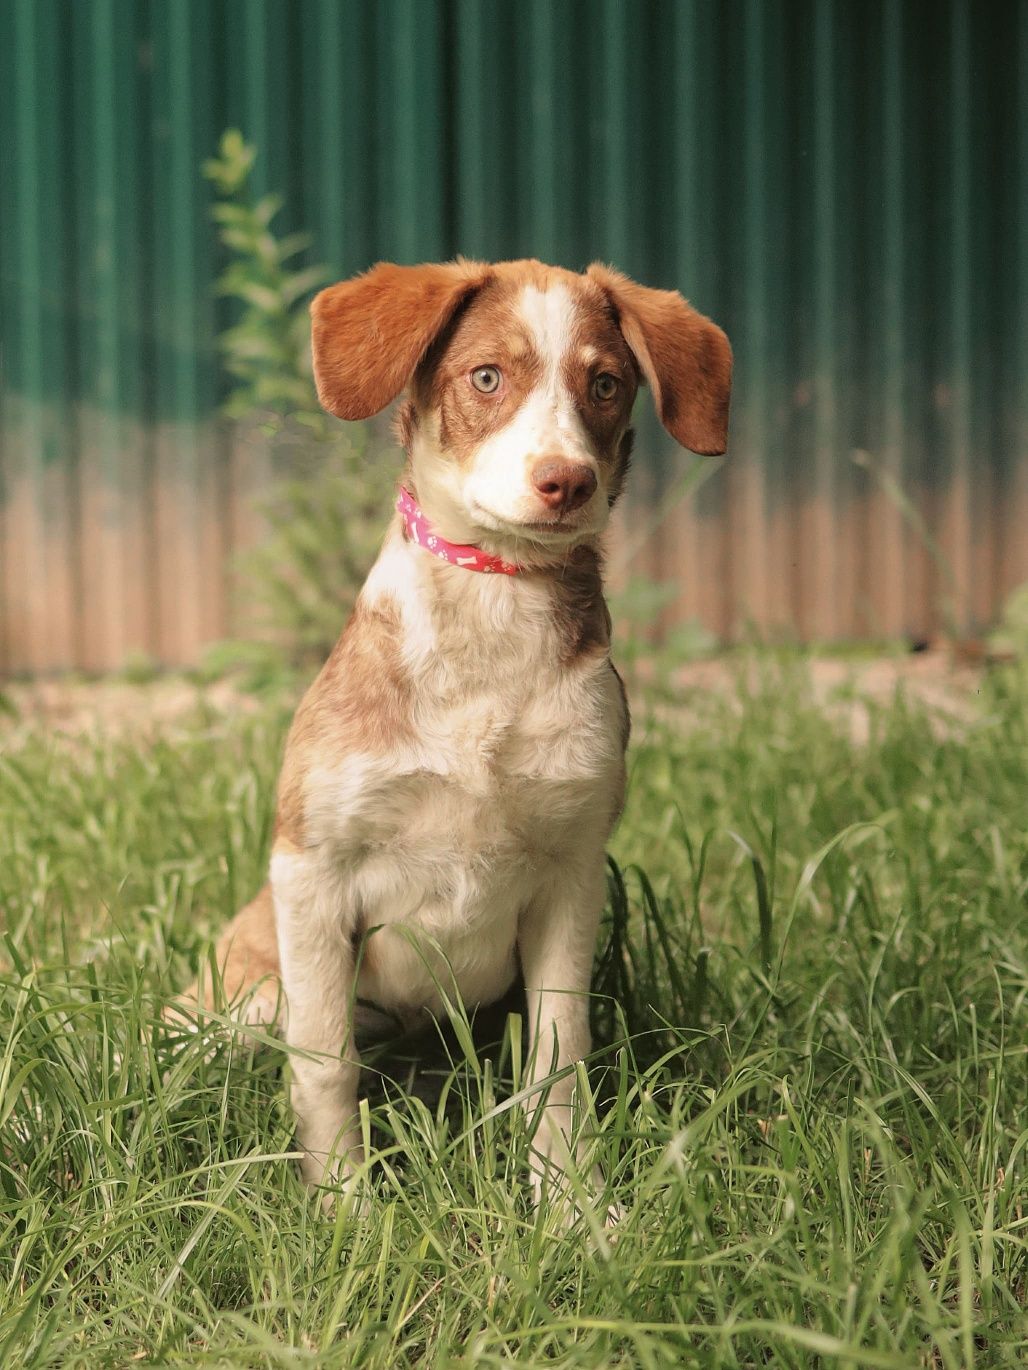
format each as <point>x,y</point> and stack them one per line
<point>842,183</point>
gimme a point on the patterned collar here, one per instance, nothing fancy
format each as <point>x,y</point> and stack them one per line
<point>419,530</point>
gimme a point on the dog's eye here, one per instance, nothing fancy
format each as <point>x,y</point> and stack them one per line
<point>605,386</point>
<point>486,379</point>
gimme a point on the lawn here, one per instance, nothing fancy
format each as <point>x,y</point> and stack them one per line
<point>809,1091</point>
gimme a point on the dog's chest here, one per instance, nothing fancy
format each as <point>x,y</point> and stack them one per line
<point>494,770</point>
<point>442,844</point>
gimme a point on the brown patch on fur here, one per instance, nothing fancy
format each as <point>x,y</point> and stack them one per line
<point>622,465</point>
<point>686,359</point>
<point>595,327</point>
<point>289,808</point>
<point>580,612</point>
<point>246,954</point>
<point>489,332</point>
<point>368,334</point>
<point>361,700</point>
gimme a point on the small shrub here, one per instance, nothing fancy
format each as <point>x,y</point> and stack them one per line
<point>325,507</point>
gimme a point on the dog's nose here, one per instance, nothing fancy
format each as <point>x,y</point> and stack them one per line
<point>564,485</point>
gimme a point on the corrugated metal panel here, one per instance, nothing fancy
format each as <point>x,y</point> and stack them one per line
<point>843,184</point>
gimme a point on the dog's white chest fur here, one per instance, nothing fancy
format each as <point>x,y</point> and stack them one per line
<point>441,843</point>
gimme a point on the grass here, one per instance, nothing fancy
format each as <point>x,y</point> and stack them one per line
<point>808,1092</point>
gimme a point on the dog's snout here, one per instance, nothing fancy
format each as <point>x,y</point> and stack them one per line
<point>564,485</point>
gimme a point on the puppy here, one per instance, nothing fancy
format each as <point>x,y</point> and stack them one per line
<point>452,776</point>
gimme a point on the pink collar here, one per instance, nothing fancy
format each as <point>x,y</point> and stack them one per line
<point>420,531</point>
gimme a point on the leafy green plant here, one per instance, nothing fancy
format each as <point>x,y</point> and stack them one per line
<point>325,507</point>
<point>266,349</point>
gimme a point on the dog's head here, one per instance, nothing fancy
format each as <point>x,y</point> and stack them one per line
<point>521,379</point>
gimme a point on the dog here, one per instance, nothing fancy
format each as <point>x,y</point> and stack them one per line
<point>452,776</point>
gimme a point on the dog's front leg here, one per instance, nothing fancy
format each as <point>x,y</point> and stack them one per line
<point>319,979</point>
<point>557,942</point>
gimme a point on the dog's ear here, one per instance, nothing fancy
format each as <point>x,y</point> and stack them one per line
<point>368,334</point>
<point>686,359</point>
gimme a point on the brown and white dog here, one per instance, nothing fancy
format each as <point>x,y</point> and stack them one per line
<point>453,774</point>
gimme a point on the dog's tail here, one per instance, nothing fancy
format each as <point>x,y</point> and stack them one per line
<point>246,955</point>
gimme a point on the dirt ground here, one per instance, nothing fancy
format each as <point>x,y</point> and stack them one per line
<point>76,707</point>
